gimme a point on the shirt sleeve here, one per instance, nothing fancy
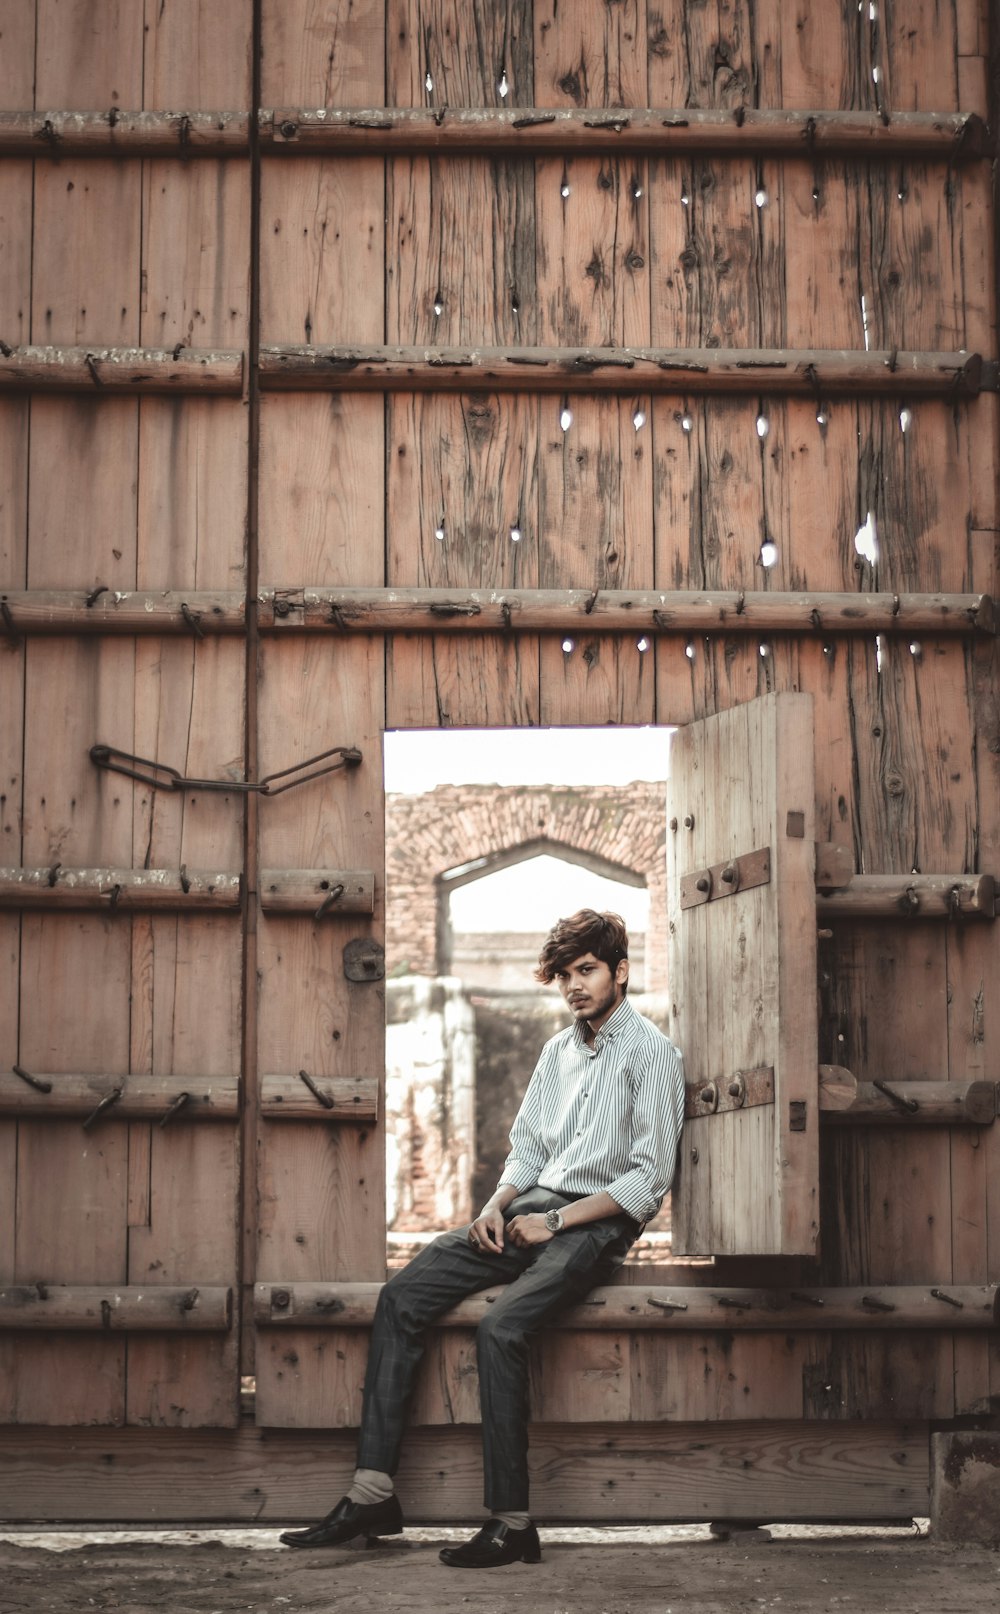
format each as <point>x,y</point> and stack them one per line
<point>527,1152</point>
<point>657,1118</point>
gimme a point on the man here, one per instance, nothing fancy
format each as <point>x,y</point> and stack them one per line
<point>592,1154</point>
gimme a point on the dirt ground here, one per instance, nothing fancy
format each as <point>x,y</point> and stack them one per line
<point>651,1571</point>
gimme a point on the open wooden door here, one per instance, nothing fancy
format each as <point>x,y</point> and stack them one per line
<point>742,903</point>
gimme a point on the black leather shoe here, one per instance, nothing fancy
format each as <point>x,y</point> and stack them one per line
<point>348,1521</point>
<point>495,1544</point>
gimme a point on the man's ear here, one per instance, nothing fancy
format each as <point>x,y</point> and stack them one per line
<point>621,972</point>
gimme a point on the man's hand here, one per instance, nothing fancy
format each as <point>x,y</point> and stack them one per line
<point>486,1231</point>
<point>528,1230</point>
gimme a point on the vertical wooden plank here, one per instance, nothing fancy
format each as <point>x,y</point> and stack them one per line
<point>17,55</point>
<point>317,270</point>
<point>921,46</point>
<point>195,254</point>
<point>79,1234</point>
<point>197,54</point>
<point>462,478</point>
<point>313,56</point>
<point>591,54</point>
<point>321,1189</point>
<point>87,55</point>
<point>462,496</point>
<point>321,512</point>
<point>459,53</point>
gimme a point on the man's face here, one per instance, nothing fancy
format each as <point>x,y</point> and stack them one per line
<point>591,988</point>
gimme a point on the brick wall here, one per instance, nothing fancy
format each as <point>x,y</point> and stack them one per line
<point>428,834</point>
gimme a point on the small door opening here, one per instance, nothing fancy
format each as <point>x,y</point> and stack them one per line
<point>490,837</point>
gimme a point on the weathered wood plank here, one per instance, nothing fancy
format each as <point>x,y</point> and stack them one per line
<point>590,55</point>
<point>114,1309</point>
<point>445,54</point>
<point>461,610</point>
<point>168,1100</point>
<point>901,896</point>
<point>101,370</point>
<point>87,55</point>
<point>198,54</point>
<point>336,1098</point>
<point>352,1305</point>
<point>145,890</point>
<point>843,1099</point>
<point>195,612</point>
<point>616,370</point>
<point>765,1471</point>
<point>322,494</point>
<point>638,131</point>
<point>61,134</point>
<point>319,892</point>
<point>315,54</point>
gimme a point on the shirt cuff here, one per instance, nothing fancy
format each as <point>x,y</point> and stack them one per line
<point>518,1174</point>
<point>633,1195</point>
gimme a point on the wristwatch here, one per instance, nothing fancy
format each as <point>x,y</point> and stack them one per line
<point>554,1221</point>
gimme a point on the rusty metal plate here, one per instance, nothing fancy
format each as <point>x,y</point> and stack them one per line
<point>740,1091</point>
<point>364,960</point>
<point>725,879</point>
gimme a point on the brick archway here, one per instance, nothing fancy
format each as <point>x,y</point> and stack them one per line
<point>468,831</point>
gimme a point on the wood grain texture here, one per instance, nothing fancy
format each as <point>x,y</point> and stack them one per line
<point>758,761</point>
<point>466,51</point>
<point>591,55</point>
<point>315,266</point>
<point>88,55</point>
<point>315,55</point>
<point>197,54</point>
<point>770,1470</point>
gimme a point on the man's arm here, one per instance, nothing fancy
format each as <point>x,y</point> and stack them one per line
<point>531,1229</point>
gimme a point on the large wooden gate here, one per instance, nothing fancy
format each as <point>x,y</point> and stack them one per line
<point>416,363</point>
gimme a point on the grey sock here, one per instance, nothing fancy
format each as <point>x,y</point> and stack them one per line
<point>369,1485</point>
<point>514,1521</point>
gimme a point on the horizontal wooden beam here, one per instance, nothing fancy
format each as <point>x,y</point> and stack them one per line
<point>111,371</point>
<point>323,893</point>
<point>490,131</point>
<point>814,373</point>
<point>132,890</point>
<point>107,610</point>
<point>507,133</point>
<point>304,1097</point>
<point>910,896</point>
<point>352,1305</point>
<point>201,612</point>
<point>168,1100</point>
<point>652,1472</point>
<point>845,1101</point>
<point>119,1309</point>
<point>126,134</point>
<point>649,611</point>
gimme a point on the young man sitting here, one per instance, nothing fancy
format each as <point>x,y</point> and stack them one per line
<point>592,1153</point>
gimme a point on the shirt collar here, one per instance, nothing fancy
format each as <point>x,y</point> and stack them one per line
<point>612,1025</point>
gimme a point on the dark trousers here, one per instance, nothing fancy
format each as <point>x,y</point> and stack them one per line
<point>542,1281</point>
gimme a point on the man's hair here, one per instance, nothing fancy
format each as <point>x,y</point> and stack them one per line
<point>602,934</point>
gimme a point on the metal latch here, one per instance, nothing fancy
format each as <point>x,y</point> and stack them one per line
<point>725,879</point>
<point>364,960</point>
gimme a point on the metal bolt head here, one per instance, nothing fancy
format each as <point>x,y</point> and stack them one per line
<point>689,820</point>
<point>694,1157</point>
<point>280,1299</point>
<point>702,884</point>
<point>673,825</point>
<point>729,875</point>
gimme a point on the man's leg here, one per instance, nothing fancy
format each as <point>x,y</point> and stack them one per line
<point>438,1278</point>
<point>563,1272</point>
<point>443,1273</point>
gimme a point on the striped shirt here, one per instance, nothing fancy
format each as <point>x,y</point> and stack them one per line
<point>606,1117</point>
